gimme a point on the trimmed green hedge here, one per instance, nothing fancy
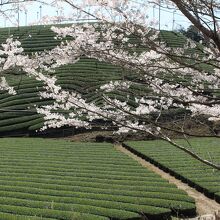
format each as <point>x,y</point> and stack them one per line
<point>47,178</point>
<point>178,163</point>
<point>8,216</point>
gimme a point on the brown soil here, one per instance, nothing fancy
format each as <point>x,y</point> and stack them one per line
<point>204,205</point>
<point>89,136</point>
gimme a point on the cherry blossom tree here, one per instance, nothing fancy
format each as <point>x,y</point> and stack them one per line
<point>185,77</point>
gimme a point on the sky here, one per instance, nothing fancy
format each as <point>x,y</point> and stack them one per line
<point>170,19</point>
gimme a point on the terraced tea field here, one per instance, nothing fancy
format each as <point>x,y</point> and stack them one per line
<point>85,77</point>
<point>50,179</point>
<point>182,165</point>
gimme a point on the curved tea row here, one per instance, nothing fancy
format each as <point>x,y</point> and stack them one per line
<point>64,180</point>
<point>180,164</point>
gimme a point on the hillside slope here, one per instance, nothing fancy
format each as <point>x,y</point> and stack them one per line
<point>18,111</point>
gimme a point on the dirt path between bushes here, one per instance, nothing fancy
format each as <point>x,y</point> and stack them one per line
<point>204,204</point>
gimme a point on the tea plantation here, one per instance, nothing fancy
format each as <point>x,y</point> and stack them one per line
<point>183,166</point>
<point>54,179</point>
<point>85,77</point>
